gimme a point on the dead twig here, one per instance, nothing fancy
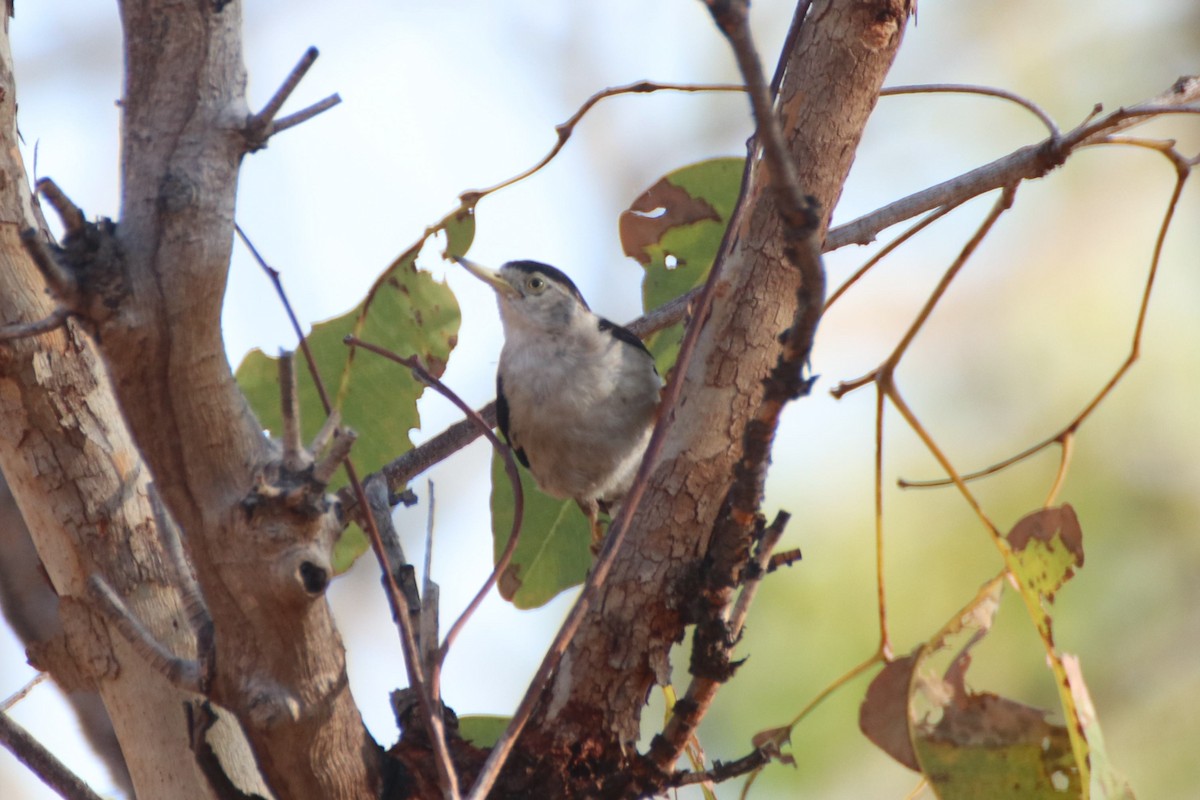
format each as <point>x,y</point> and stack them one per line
<point>565,129</point>
<point>21,330</point>
<point>413,363</point>
<point>263,125</point>
<point>1065,435</point>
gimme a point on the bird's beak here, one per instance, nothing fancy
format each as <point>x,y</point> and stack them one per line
<point>490,277</point>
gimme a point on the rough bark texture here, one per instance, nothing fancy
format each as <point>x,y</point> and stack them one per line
<point>280,665</point>
<point>151,291</point>
<point>30,606</point>
<point>591,709</point>
<point>81,489</point>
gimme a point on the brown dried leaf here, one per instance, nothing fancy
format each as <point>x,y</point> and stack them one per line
<point>657,210</point>
<point>770,741</point>
<point>883,715</point>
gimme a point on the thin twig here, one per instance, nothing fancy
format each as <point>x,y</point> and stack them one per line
<point>305,114</point>
<point>887,249</point>
<point>430,594</point>
<point>329,431</point>
<point>789,44</point>
<point>757,571</point>
<point>510,465</point>
<point>986,91</point>
<point>722,771</point>
<point>264,118</point>
<point>263,125</point>
<point>885,636</point>
<point>337,454</point>
<point>565,129</point>
<point>294,456</point>
<point>72,217</point>
<point>277,282</point>
<point>41,762</point>
<point>1026,163</point>
<point>182,673</point>
<point>22,330</point>
<point>401,571</point>
<point>198,616</point>
<point>61,282</point>
<point>785,731</point>
<point>785,559</point>
<point>20,694</point>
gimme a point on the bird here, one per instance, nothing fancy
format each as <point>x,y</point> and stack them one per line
<point>577,396</point>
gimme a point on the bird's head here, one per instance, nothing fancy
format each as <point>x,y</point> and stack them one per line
<point>531,294</point>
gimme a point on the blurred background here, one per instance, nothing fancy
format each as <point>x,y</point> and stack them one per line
<point>444,97</point>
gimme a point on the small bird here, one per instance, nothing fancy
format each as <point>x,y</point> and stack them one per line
<point>576,395</point>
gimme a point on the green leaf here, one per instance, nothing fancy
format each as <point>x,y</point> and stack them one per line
<point>406,311</point>
<point>674,230</point>
<point>553,552</point>
<point>482,730</point>
<point>459,227</point>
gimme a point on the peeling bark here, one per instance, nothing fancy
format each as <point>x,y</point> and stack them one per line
<point>149,292</point>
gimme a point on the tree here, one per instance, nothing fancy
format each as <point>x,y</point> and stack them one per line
<point>148,292</point>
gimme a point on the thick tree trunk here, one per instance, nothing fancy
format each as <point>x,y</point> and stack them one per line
<point>592,707</point>
<point>150,292</point>
<point>81,487</point>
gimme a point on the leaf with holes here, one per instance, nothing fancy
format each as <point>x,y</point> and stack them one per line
<point>674,230</point>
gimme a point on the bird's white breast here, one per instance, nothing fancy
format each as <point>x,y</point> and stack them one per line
<point>581,405</point>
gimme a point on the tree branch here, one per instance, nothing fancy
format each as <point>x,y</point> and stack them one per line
<point>1029,162</point>
<point>263,125</point>
<point>285,680</point>
<point>592,701</point>
<point>41,762</point>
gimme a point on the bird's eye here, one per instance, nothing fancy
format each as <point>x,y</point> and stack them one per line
<point>535,283</point>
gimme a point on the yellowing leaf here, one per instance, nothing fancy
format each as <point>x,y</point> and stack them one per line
<point>1048,547</point>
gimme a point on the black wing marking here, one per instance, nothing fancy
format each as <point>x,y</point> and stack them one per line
<point>625,335</point>
<point>502,420</point>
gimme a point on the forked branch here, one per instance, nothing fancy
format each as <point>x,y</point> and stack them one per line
<point>263,125</point>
